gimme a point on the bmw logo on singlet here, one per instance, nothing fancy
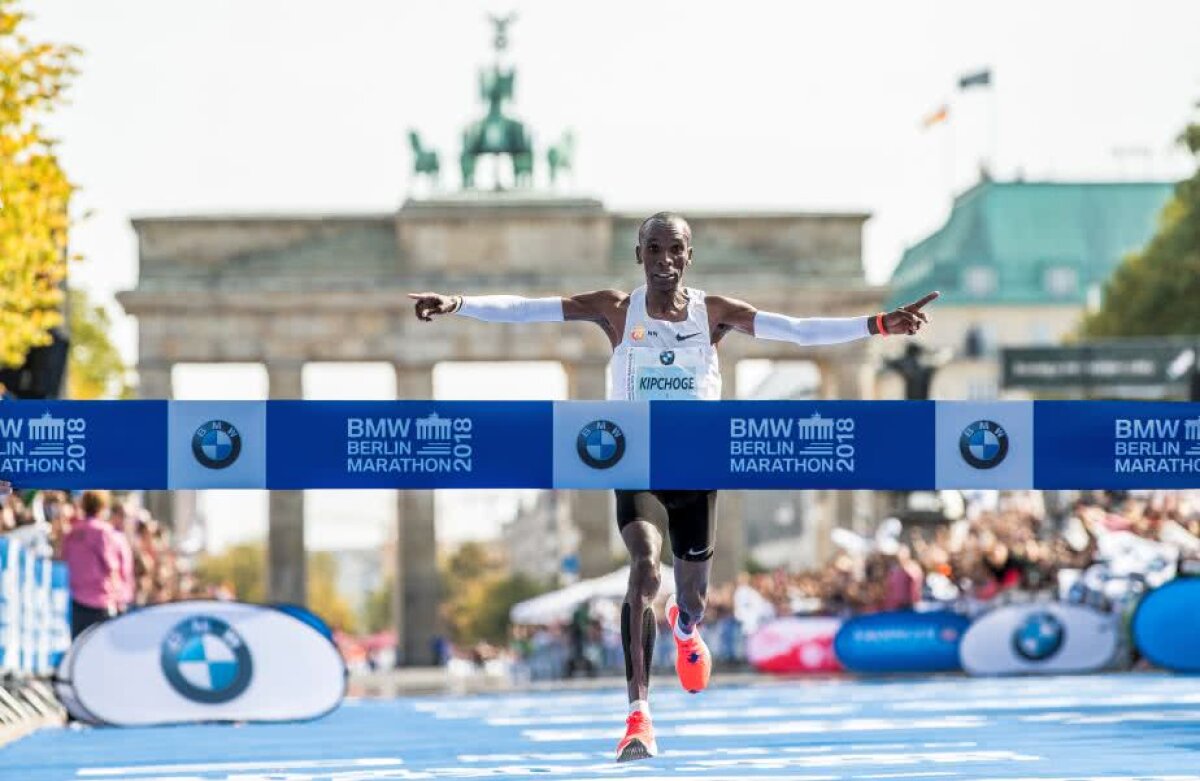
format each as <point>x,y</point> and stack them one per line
<point>600,444</point>
<point>983,444</point>
<point>216,444</point>
<point>206,661</point>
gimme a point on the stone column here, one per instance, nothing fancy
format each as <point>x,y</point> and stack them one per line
<point>416,595</point>
<point>591,511</point>
<point>154,382</point>
<point>731,531</point>
<point>287,571</point>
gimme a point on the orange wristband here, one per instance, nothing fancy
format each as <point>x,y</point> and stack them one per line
<point>879,325</point>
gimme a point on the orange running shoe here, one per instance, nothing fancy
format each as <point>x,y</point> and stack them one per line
<point>693,662</point>
<point>638,742</point>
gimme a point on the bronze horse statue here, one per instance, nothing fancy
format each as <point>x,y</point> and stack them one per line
<point>561,156</point>
<point>497,134</point>
<point>425,161</point>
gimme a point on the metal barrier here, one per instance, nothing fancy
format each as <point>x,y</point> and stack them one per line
<point>35,628</point>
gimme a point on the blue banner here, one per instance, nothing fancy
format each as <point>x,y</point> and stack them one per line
<point>881,445</point>
<point>792,444</point>
<point>1116,444</point>
<point>409,444</point>
<point>84,444</point>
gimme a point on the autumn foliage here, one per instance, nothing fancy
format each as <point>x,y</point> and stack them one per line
<point>34,190</point>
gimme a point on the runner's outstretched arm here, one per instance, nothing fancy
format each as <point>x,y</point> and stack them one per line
<point>597,307</point>
<point>730,314</point>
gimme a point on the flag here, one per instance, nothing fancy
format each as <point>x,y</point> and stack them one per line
<point>937,117</point>
<point>981,78</point>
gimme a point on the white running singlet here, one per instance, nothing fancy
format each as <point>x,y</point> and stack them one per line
<point>658,359</point>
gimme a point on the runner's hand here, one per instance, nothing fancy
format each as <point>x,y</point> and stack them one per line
<point>909,319</point>
<point>430,304</point>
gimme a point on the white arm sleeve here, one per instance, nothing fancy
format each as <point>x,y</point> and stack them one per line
<point>809,330</point>
<point>512,309</point>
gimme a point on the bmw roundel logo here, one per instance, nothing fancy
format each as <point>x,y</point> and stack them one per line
<point>216,444</point>
<point>667,357</point>
<point>600,444</point>
<point>1038,637</point>
<point>983,444</point>
<point>206,661</point>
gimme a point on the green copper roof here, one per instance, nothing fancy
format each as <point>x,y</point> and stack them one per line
<point>1030,242</point>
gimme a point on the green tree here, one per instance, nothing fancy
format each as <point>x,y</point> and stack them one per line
<point>34,191</point>
<point>465,574</point>
<point>1155,291</point>
<point>97,370</point>
<point>480,591</point>
<point>244,568</point>
<point>323,596</point>
<point>490,620</point>
<point>377,612</point>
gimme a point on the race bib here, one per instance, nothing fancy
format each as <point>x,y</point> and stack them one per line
<point>666,375</point>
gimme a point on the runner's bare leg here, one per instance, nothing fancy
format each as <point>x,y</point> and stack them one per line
<point>638,626</point>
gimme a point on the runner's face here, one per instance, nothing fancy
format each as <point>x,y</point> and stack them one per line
<point>665,253</point>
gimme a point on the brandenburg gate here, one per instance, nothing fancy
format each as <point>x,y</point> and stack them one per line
<point>284,290</point>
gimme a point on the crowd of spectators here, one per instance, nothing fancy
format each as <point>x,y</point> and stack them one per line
<point>1005,545</point>
<point>119,556</point>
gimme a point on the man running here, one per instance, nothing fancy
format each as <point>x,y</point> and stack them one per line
<point>659,316</point>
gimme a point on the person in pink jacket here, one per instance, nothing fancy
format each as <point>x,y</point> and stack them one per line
<point>93,552</point>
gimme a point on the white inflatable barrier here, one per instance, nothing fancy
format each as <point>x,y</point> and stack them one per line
<point>1041,639</point>
<point>201,661</point>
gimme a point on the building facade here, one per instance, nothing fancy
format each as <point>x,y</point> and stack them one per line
<point>1018,263</point>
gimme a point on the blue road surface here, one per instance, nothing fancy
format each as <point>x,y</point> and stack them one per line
<point>1125,726</point>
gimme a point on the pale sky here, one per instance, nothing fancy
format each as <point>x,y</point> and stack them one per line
<point>227,106</point>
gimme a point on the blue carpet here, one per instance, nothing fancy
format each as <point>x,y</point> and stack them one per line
<point>1106,727</point>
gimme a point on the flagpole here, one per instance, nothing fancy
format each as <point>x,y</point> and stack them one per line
<point>993,133</point>
<point>988,158</point>
<point>933,122</point>
<point>952,158</point>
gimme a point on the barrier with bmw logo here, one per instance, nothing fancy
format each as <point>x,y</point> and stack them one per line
<point>1041,638</point>
<point>656,444</point>
<point>201,661</point>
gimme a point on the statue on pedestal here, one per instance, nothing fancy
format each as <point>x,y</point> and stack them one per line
<point>496,133</point>
<point>425,161</point>
<point>561,157</point>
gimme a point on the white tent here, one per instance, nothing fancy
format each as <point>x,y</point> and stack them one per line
<point>559,605</point>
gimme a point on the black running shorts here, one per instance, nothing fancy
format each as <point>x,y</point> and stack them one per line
<point>690,518</point>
